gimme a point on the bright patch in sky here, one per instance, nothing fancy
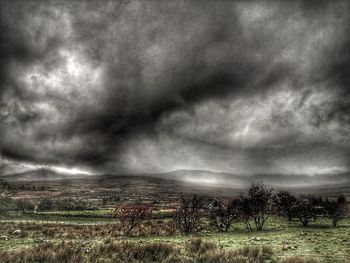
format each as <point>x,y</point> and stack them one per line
<point>66,170</point>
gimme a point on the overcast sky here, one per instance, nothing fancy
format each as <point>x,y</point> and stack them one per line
<point>126,87</point>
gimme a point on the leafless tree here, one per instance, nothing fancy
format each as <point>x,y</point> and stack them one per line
<point>187,216</point>
<point>6,189</point>
<point>259,197</point>
<point>6,192</point>
<point>242,208</point>
<point>131,216</point>
<point>283,202</point>
<point>306,212</point>
<point>222,217</point>
<point>336,210</point>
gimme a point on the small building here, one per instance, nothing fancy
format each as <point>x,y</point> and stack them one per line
<point>212,203</point>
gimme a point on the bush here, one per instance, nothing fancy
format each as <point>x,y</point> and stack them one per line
<point>306,212</point>
<point>241,207</point>
<point>336,210</point>
<point>132,216</point>
<point>46,204</point>
<point>283,203</point>
<point>24,205</point>
<point>222,217</point>
<point>188,216</point>
<point>6,204</point>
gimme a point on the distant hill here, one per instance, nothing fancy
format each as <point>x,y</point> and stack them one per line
<point>208,178</point>
<point>201,178</point>
<point>40,175</point>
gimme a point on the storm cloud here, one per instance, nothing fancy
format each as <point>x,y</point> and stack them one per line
<point>242,87</point>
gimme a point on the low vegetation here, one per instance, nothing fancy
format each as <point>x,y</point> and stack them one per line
<point>257,227</point>
<point>195,250</point>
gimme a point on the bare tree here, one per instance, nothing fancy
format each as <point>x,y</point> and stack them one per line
<point>222,217</point>
<point>306,212</point>
<point>241,207</point>
<point>187,216</point>
<point>336,210</point>
<point>6,189</point>
<point>6,192</point>
<point>283,202</point>
<point>131,216</point>
<point>259,201</point>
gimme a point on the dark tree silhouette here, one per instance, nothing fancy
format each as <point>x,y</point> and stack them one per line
<point>306,212</point>
<point>242,208</point>
<point>46,204</point>
<point>222,217</point>
<point>24,205</point>
<point>187,216</point>
<point>336,210</point>
<point>283,203</point>
<point>6,192</point>
<point>259,197</point>
<point>6,189</point>
<point>131,216</point>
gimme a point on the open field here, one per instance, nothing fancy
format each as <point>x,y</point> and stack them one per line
<point>145,189</point>
<point>320,241</point>
<point>94,235</point>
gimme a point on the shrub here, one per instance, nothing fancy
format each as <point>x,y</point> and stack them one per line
<point>283,203</point>
<point>24,205</point>
<point>242,209</point>
<point>6,205</point>
<point>7,191</point>
<point>187,217</point>
<point>306,212</point>
<point>45,204</point>
<point>222,217</point>
<point>132,216</point>
<point>336,210</point>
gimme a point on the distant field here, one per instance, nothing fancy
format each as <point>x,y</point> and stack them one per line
<point>135,188</point>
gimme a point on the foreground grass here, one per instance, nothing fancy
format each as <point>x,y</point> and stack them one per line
<point>194,250</point>
<point>281,238</point>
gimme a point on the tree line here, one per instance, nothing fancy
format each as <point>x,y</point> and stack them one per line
<point>252,209</point>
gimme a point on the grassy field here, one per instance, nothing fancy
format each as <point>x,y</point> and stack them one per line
<point>91,234</point>
<point>319,240</point>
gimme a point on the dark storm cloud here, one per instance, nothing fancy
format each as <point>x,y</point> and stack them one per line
<point>88,82</point>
